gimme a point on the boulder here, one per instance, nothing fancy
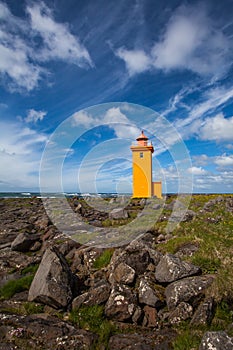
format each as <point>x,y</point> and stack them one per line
<point>182,215</point>
<point>96,295</point>
<point>216,341</point>
<point>187,290</point>
<point>171,268</point>
<point>53,282</point>
<point>129,341</point>
<point>229,204</point>
<point>136,255</point>
<point>123,273</point>
<point>24,241</point>
<point>204,313</point>
<point>118,213</point>
<point>147,295</point>
<point>121,304</point>
<point>181,313</point>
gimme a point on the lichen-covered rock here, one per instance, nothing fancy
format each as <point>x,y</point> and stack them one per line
<point>96,295</point>
<point>53,282</point>
<point>136,255</point>
<point>123,273</point>
<point>204,313</point>
<point>171,268</point>
<point>129,341</point>
<point>121,304</point>
<point>43,331</point>
<point>181,313</point>
<point>187,289</point>
<point>216,341</point>
<point>148,295</point>
<point>24,241</point>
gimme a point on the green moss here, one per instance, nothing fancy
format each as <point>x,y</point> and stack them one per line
<point>187,340</point>
<point>33,308</point>
<point>92,318</point>
<point>30,269</point>
<point>208,265</point>
<point>16,286</point>
<point>104,259</point>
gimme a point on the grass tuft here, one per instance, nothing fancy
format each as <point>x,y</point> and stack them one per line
<point>92,318</point>
<point>16,286</point>
<point>104,259</point>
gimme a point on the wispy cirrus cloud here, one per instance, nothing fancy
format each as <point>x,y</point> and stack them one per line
<point>26,44</point>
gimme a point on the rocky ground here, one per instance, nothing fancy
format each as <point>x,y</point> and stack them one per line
<point>169,289</point>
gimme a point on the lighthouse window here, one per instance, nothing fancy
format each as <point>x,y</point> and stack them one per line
<point>141,154</point>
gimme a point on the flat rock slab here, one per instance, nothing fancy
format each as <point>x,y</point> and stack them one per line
<point>53,282</point>
<point>171,268</point>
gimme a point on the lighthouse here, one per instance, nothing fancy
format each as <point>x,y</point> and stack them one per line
<point>143,185</point>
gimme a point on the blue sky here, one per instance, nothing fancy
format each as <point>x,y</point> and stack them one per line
<point>162,66</point>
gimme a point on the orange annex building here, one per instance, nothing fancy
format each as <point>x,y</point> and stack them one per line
<point>143,186</point>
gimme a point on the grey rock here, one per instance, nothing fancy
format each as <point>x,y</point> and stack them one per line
<point>142,202</point>
<point>53,282</point>
<point>187,249</point>
<point>204,313</point>
<point>229,204</point>
<point>24,241</point>
<point>129,341</point>
<point>118,213</point>
<point>121,304</point>
<point>160,238</point>
<point>181,313</point>
<point>182,215</point>
<point>216,341</point>
<point>147,295</point>
<point>187,290</point>
<point>95,296</point>
<point>157,206</point>
<point>136,255</point>
<point>171,268</point>
<point>124,273</point>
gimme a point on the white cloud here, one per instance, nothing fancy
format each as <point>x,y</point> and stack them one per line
<point>22,55</point>
<point>59,43</point>
<point>224,160</point>
<point>20,155</point>
<point>15,63</point>
<point>191,41</point>
<point>34,116</point>
<point>202,159</point>
<point>82,118</point>
<point>113,117</point>
<point>197,171</point>
<point>136,60</point>
<point>217,128</point>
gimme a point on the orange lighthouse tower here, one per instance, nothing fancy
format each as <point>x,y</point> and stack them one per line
<point>143,186</point>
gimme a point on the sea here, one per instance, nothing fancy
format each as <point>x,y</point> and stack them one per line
<point>58,195</point>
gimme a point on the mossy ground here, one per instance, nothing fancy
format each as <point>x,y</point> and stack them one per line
<point>212,232</point>
<point>92,318</point>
